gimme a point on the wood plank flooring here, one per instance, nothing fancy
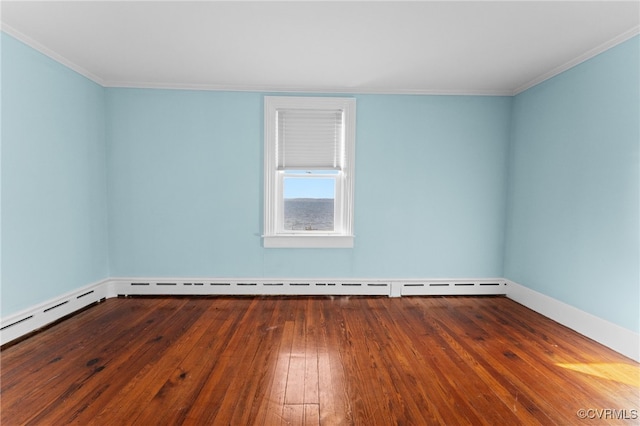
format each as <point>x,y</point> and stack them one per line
<point>314,361</point>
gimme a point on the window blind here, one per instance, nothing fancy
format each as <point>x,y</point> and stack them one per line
<point>309,139</point>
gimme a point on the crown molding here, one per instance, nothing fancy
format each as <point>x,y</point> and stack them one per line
<point>51,54</point>
<point>295,89</point>
<point>621,38</point>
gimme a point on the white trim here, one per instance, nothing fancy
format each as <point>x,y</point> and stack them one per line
<point>302,89</point>
<point>308,241</point>
<point>51,54</point>
<point>392,287</point>
<point>274,237</point>
<point>453,286</point>
<point>38,316</point>
<point>621,38</point>
<point>250,286</point>
<point>602,331</point>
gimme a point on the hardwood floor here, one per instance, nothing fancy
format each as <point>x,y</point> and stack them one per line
<point>314,360</point>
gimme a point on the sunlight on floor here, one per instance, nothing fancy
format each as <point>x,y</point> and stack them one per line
<point>620,372</point>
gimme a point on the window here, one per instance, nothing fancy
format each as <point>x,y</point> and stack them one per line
<point>309,164</point>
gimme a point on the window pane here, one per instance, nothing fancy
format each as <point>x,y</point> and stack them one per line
<point>309,203</point>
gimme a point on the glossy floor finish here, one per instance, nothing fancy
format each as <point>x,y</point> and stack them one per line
<point>314,360</point>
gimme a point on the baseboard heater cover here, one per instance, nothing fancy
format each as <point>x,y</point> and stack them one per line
<point>126,287</point>
<point>371,287</point>
<point>29,320</point>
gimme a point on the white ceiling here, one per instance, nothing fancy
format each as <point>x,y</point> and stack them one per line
<point>473,47</point>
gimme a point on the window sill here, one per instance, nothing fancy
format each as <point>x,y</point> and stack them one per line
<point>308,241</point>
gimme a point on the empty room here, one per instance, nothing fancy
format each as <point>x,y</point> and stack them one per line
<point>320,213</point>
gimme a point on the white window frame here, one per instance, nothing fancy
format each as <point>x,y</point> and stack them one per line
<point>275,236</point>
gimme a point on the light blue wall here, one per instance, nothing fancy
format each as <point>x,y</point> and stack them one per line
<point>54,222</point>
<point>430,186</point>
<point>183,195</point>
<point>572,230</point>
<point>185,187</point>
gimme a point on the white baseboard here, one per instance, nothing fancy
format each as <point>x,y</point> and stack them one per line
<point>602,331</point>
<point>31,319</point>
<point>249,286</point>
<point>611,335</point>
<point>453,287</point>
<point>305,286</point>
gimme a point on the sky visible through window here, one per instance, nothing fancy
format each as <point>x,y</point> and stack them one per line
<point>299,187</point>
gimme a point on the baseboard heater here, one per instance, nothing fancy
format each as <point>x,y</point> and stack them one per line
<point>377,287</point>
<point>29,320</point>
